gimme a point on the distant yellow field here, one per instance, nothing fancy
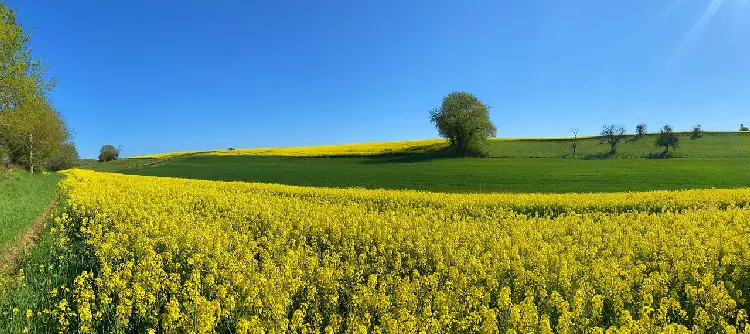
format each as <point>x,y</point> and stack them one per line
<point>362,149</point>
<point>409,146</point>
<point>359,149</point>
<point>166,155</point>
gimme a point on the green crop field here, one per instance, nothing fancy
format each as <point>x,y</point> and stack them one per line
<point>23,197</point>
<point>466,175</point>
<point>718,160</point>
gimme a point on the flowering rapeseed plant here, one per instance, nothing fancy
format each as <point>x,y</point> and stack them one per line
<point>178,256</point>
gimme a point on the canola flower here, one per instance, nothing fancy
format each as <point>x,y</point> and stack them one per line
<point>182,256</point>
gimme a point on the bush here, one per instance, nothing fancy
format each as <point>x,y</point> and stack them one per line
<point>66,157</point>
<point>108,153</point>
<point>743,128</point>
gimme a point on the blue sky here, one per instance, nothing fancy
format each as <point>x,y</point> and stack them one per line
<point>157,76</point>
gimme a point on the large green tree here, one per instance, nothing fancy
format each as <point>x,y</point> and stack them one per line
<point>465,121</point>
<point>31,129</point>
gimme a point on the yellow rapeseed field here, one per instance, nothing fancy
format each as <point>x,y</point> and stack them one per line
<point>398,147</point>
<point>183,256</point>
<point>364,149</point>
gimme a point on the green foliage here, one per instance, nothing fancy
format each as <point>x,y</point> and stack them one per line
<point>66,157</point>
<point>30,127</point>
<point>465,121</point>
<point>613,134</point>
<point>33,131</point>
<point>21,75</point>
<point>743,128</point>
<point>47,267</point>
<point>667,138</point>
<point>108,153</point>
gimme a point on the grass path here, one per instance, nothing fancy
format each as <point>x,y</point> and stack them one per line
<point>10,254</point>
<point>23,198</point>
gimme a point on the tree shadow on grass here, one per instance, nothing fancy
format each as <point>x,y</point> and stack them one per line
<point>599,156</point>
<point>407,158</point>
<point>660,155</point>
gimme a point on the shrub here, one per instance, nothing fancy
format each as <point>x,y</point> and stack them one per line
<point>66,157</point>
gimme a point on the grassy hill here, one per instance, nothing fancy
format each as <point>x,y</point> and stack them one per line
<point>720,160</point>
<point>712,145</point>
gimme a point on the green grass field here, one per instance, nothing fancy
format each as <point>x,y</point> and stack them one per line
<point>718,160</point>
<point>23,197</point>
<point>467,174</point>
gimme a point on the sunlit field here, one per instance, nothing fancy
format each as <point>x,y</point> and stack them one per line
<point>168,254</point>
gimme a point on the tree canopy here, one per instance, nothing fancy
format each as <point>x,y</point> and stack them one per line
<point>613,134</point>
<point>31,129</point>
<point>108,153</point>
<point>465,121</point>
<point>667,138</point>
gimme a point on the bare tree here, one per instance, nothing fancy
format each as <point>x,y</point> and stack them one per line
<point>613,134</point>
<point>574,144</point>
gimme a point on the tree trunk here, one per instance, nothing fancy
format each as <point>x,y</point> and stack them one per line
<point>31,153</point>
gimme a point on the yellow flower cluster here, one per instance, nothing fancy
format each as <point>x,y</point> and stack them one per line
<point>177,256</point>
<point>365,149</point>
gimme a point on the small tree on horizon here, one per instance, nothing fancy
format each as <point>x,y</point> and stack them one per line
<point>697,132</point>
<point>465,121</point>
<point>613,134</point>
<point>108,153</point>
<point>574,144</point>
<point>667,138</point>
<point>640,130</point>
<point>743,128</point>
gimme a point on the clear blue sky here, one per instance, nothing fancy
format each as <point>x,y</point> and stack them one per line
<point>157,76</point>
